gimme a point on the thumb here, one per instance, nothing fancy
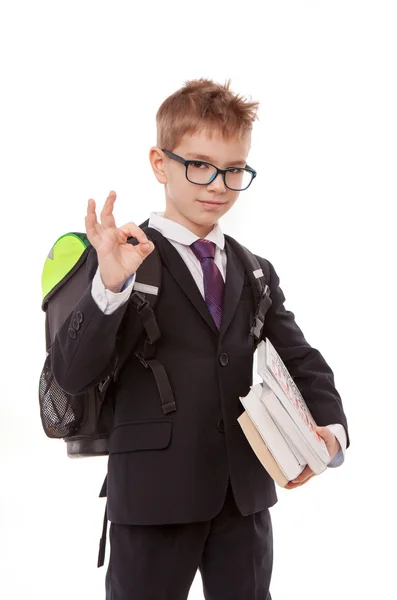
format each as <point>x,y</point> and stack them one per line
<point>144,249</point>
<point>147,247</point>
<point>324,432</point>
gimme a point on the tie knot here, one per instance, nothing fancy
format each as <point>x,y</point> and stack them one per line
<point>203,249</point>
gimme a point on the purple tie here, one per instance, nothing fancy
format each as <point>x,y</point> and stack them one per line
<point>213,280</point>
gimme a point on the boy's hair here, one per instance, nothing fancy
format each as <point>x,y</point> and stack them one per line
<point>203,105</point>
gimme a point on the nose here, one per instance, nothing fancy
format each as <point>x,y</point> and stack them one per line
<point>217,185</point>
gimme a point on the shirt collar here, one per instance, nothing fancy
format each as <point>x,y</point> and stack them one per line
<point>178,233</point>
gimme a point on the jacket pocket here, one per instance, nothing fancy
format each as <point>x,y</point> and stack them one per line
<point>140,435</point>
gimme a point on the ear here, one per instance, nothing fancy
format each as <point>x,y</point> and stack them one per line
<point>156,157</point>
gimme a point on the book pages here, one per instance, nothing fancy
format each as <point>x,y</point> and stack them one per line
<point>281,451</point>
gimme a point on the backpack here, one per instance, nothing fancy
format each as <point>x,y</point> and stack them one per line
<point>84,421</point>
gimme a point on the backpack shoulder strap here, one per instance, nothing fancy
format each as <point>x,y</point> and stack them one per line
<point>259,283</point>
<point>143,298</point>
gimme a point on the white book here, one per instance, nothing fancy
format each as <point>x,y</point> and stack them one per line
<point>289,408</point>
<point>290,429</point>
<point>285,454</point>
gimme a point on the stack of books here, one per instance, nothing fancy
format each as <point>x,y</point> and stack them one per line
<point>278,424</point>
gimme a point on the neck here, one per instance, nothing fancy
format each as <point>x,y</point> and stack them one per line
<point>200,230</point>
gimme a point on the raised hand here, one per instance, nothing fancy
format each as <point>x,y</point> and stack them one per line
<point>117,259</point>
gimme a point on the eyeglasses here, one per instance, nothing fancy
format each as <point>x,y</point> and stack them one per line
<point>204,173</point>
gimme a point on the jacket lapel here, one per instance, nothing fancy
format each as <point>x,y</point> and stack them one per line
<point>233,287</point>
<point>180,272</point>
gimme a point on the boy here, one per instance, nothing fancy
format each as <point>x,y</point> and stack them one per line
<point>185,490</point>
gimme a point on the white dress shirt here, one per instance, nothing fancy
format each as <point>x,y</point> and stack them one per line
<point>181,238</point>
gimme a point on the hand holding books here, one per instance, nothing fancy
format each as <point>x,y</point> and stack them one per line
<point>279,426</point>
<point>333,448</point>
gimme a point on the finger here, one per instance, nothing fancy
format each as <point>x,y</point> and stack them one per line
<point>306,471</point>
<point>91,223</point>
<point>291,485</point>
<point>306,474</point>
<point>131,229</point>
<point>91,207</point>
<point>325,433</point>
<point>144,248</point>
<point>302,479</point>
<point>107,218</point>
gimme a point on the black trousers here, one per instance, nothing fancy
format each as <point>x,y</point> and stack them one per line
<point>159,562</point>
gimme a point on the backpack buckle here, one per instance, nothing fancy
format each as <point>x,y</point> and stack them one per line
<point>104,384</point>
<point>139,355</point>
<point>138,301</point>
<point>264,304</point>
<point>256,328</point>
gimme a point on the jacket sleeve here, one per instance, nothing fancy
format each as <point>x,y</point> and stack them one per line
<point>83,348</point>
<point>308,368</point>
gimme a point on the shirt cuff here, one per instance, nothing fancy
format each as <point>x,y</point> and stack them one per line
<point>340,434</point>
<point>109,301</point>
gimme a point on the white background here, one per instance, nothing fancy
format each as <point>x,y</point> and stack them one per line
<point>80,85</point>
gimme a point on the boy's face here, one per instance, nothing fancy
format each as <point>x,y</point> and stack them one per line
<point>186,202</point>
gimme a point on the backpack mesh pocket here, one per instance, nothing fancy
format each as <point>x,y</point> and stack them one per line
<point>61,413</point>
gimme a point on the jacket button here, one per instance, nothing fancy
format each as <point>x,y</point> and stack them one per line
<point>79,316</point>
<point>72,333</point>
<point>223,359</point>
<point>221,426</point>
<point>75,324</point>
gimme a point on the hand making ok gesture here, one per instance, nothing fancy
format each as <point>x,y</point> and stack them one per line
<point>117,259</point>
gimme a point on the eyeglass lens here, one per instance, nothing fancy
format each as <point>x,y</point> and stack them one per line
<point>203,173</point>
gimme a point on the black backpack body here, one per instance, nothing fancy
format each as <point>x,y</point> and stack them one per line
<point>84,421</point>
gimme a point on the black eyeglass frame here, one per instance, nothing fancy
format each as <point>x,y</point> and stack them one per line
<point>223,172</point>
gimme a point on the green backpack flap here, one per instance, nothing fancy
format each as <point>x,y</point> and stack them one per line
<point>85,420</point>
<point>63,270</point>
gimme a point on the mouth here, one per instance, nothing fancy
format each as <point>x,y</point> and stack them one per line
<point>212,203</point>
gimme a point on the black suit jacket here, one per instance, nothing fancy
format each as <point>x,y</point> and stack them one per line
<point>174,468</point>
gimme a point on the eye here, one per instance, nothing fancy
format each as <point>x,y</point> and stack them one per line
<point>235,169</point>
<point>199,165</point>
